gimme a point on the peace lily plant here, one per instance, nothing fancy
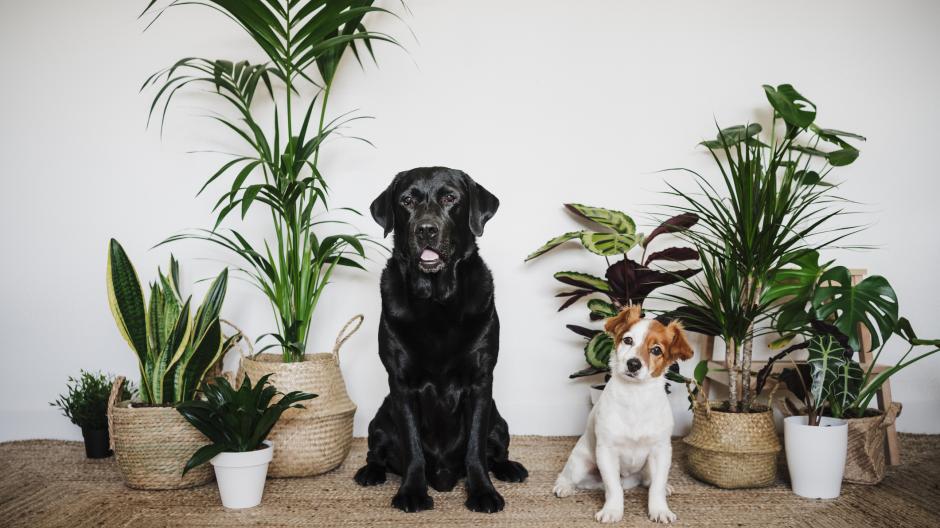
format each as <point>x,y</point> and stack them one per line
<point>303,42</point>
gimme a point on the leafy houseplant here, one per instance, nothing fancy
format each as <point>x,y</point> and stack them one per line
<point>174,349</point>
<point>627,281</point>
<point>774,201</point>
<point>280,167</point>
<point>237,422</point>
<point>86,405</point>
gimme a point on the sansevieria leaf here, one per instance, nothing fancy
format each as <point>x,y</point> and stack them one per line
<point>126,299</point>
<point>616,220</point>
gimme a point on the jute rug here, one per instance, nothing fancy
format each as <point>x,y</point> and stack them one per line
<point>50,483</point>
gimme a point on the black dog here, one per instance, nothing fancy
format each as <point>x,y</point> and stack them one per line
<point>438,340</point>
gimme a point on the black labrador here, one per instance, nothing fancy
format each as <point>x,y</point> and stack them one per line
<point>438,340</point>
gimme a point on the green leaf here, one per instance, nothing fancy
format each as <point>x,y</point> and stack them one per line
<point>126,299</point>
<point>825,361</point>
<point>602,309</point>
<point>607,244</point>
<point>795,109</point>
<point>583,280</point>
<point>553,243</point>
<point>597,350</point>
<point>842,157</point>
<point>872,303</point>
<point>701,370</point>
<point>616,220</point>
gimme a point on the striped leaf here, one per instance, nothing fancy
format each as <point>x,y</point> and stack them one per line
<point>553,243</point>
<point>607,244</point>
<point>597,350</point>
<point>126,299</point>
<point>616,220</point>
<point>601,309</point>
<point>583,280</point>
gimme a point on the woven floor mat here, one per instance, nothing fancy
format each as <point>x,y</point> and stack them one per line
<point>50,483</point>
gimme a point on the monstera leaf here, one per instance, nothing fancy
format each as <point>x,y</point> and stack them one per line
<point>796,110</point>
<point>597,350</point>
<point>728,137</point>
<point>616,220</point>
<point>631,282</point>
<point>872,303</point>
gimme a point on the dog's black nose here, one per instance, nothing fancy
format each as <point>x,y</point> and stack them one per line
<point>427,231</point>
<point>633,364</point>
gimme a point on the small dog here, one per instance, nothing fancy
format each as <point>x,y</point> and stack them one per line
<point>627,440</point>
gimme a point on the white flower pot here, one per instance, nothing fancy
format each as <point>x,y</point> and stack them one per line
<point>816,456</point>
<point>241,476</point>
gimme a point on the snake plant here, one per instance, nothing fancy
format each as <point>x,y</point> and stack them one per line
<point>174,349</point>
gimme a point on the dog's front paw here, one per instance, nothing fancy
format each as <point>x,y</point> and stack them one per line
<point>487,501</point>
<point>370,475</point>
<point>412,500</point>
<point>664,516</point>
<point>510,471</point>
<point>563,489</point>
<point>609,515</point>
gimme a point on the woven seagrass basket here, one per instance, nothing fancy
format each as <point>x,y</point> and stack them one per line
<point>732,450</point>
<point>315,439</point>
<point>865,462</point>
<point>152,445</point>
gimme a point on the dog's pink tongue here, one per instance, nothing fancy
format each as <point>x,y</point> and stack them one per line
<point>429,255</point>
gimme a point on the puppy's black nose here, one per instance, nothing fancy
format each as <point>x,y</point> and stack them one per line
<point>633,364</point>
<point>427,231</point>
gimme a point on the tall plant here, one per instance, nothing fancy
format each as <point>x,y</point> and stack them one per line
<point>280,168</point>
<point>773,201</point>
<point>627,282</point>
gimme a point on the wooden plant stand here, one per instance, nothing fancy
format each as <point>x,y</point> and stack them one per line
<point>717,373</point>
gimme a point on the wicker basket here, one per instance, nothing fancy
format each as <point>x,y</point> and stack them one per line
<point>732,450</point>
<point>152,445</point>
<point>865,463</point>
<point>315,439</point>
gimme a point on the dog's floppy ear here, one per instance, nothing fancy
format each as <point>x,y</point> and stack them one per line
<point>679,348</point>
<point>483,205</point>
<point>383,207</point>
<point>620,323</point>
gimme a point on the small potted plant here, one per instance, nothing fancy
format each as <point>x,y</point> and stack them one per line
<point>238,422</point>
<point>86,405</point>
<point>628,281</point>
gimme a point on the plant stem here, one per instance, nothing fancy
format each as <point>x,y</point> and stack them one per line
<point>746,370</point>
<point>731,361</point>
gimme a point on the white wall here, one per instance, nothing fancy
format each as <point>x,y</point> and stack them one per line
<point>541,102</point>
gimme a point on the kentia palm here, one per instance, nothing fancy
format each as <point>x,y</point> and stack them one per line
<point>281,170</point>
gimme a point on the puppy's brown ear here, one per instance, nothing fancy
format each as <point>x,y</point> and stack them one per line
<point>620,323</point>
<point>679,348</point>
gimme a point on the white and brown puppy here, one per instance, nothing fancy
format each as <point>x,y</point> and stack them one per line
<point>627,440</point>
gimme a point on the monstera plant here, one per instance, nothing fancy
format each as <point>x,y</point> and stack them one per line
<point>174,349</point>
<point>627,281</point>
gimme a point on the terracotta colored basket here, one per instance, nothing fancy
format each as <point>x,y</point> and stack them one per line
<point>865,462</point>
<point>732,450</point>
<point>152,445</point>
<point>315,439</point>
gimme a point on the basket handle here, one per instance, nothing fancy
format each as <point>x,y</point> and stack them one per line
<point>116,386</point>
<point>344,335</point>
<point>891,414</point>
<point>244,336</point>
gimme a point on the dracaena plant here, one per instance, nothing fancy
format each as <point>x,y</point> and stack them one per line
<point>236,421</point>
<point>774,198</point>
<point>174,349</point>
<point>627,281</point>
<point>303,42</point>
<point>821,307</point>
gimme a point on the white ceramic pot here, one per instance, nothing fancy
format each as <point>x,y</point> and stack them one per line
<point>241,476</point>
<point>596,391</point>
<point>816,456</point>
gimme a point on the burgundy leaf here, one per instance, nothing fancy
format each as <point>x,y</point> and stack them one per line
<point>631,283</point>
<point>675,224</point>
<point>675,254</point>
<point>582,331</point>
<point>574,298</point>
<point>589,371</point>
<point>570,293</point>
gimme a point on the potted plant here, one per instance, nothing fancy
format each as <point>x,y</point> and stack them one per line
<point>86,405</point>
<point>628,281</point>
<point>175,350</point>
<point>238,422</point>
<point>772,200</point>
<point>279,170</point>
<point>822,308</point>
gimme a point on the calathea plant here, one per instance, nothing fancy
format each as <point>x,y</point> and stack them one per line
<point>279,166</point>
<point>627,281</point>
<point>236,421</point>
<point>773,200</point>
<point>174,349</point>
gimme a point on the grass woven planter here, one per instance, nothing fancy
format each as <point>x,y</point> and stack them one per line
<point>865,462</point>
<point>315,439</point>
<point>152,445</point>
<point>732,450</point>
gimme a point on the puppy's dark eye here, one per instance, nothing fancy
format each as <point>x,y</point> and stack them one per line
<point>656,351</point>
<point>407,200</point>
<point>627,340</point>
<point>448,199</point>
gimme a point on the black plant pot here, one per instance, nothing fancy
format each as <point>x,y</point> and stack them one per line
<point>96,443</point>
